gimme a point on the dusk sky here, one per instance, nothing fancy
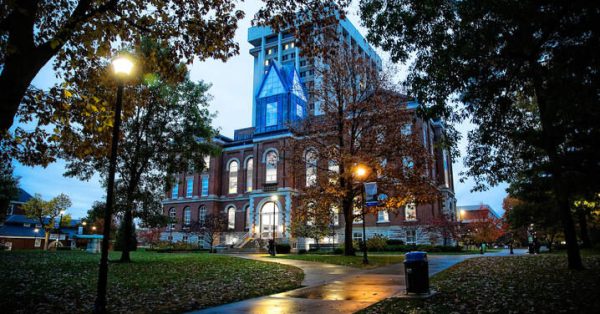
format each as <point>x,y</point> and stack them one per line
<point>232,91</point>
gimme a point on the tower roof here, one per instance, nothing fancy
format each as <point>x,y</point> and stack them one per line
<point>280,80</point>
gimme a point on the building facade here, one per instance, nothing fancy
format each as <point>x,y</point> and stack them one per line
<point>251,181</point>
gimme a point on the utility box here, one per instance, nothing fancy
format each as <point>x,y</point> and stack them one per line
<point>416,271</point>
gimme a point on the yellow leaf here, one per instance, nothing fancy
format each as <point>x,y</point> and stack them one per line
<point>67,93</point>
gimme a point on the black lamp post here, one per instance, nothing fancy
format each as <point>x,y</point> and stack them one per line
<point>62,212</point>
<point>361,172</point>
<point>122,67</point>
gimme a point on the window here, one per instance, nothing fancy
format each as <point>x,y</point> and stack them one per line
<point>204,185</point>
<point>185,238</point>
<point>249,174</point>
<point>270,51</point>
<point>187,216</point>
<point>357,236</point>
<point>303,63</point>
<point>269,218</point>
<point>285,57</point>
<point>411,236</point>
<point>425,135</point>
<point>233,172</point>
<point>292,55</point>
<point>271,167</point>
<point>383,216</point>
<point>311,168</point>
<point>266,63</point>
<point>334,172</point>
<point>445,160</point>
<point>410,212</point>
<point>335,215</point>
<point>172,217</point>
<point>38,242</point>
<point>231,218</point>
<point>206,163</point>
<point>303,74</point>
<point>407,129</point>
<point>175,191</point>
<point>271,118</point>
<point>189,187</point>
<point>202,215</point>
<point>299,111</point>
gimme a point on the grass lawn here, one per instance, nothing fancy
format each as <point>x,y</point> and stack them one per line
<point>61,282</point>
<point>513,284</point>
<point>352,261</point>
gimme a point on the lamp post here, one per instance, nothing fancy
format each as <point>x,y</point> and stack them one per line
<point>274,199</point>
<point>122,68</point>
<point>35,231</point>
<point>360,173</point>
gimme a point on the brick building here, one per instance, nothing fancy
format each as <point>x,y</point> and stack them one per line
<point>251,181</point>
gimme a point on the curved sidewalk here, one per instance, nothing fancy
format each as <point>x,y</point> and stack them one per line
<point>337,289</point>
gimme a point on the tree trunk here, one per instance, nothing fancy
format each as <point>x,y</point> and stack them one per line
<point>583,228</point>
<point>46,239</point>
<point>128,221</point>
<point>349,220</point>
<point>573,255</point>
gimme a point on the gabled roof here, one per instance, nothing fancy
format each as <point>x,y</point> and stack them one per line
<point>280,80</point>
<point>23,196</point>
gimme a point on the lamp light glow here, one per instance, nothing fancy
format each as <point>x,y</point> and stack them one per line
<point>360,171</point>
<point>122,66</point>
<point>274,198</point>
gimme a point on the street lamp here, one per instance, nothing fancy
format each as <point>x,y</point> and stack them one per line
<point>36,230</point>
<point>274,199</point>
<point>122,67</point>
<point>361,172</point>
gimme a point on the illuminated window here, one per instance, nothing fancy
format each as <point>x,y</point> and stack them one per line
<point>206,163</point>
<point>410,212</point>
<point>249,173</point>
<point>383,216</point>
<point>172,217</point>
<point>231,218</point>
<point>271,167</point>
<point>233,173</point>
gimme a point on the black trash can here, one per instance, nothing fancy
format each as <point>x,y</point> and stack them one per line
<point>416,271</point>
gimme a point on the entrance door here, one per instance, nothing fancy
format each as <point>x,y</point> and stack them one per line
<point>269,219</point>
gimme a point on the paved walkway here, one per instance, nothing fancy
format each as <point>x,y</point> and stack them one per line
<point>336,289</point>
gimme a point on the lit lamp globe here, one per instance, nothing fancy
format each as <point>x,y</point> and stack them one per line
<point>360,171</point>
<point>274,198</point>
<point>122,66</point>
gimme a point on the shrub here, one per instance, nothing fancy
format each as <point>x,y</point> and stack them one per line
<point>394,242</point>
<point>376,243</point>
<point>302,251</point>
<point>282,248</point>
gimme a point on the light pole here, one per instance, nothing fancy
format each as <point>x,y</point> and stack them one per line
<point>361,173</point>
<point>274,199</point>
<point>35,231</point>
<point>122,68</point>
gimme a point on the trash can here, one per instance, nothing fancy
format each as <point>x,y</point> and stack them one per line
<point>416,271</point>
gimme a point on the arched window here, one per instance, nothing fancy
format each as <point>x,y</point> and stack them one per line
<point>230,217</point>
<point>172,217</point>
<point>187,216</point>
<point>334,172</point>
<point>271,167</point>
<point>311,168</point>
<point>233,175</point>
<point>202,215</point>
<point>249,173</point>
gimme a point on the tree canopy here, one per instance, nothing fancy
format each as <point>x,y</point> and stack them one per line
<point>495,59</point>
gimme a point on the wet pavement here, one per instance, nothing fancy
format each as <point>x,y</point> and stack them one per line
<point>337,289</point>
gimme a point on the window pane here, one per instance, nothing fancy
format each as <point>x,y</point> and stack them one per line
<point>206,163</point>
<point>175,191</point>
<point>187,216</point>
<point>231,218</point>
<point>249,174</point>
<point>311,168</point>
<point>271,114</point>
<point>233,171</point>
<point>202,215</point>
<point>189,188</point>
<point>205,185</point>
<point>271,165</point>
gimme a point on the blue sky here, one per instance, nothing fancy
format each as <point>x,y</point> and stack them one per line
<point>232,92</point>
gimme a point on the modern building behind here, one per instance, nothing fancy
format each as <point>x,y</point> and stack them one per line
<point>251,182</point>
